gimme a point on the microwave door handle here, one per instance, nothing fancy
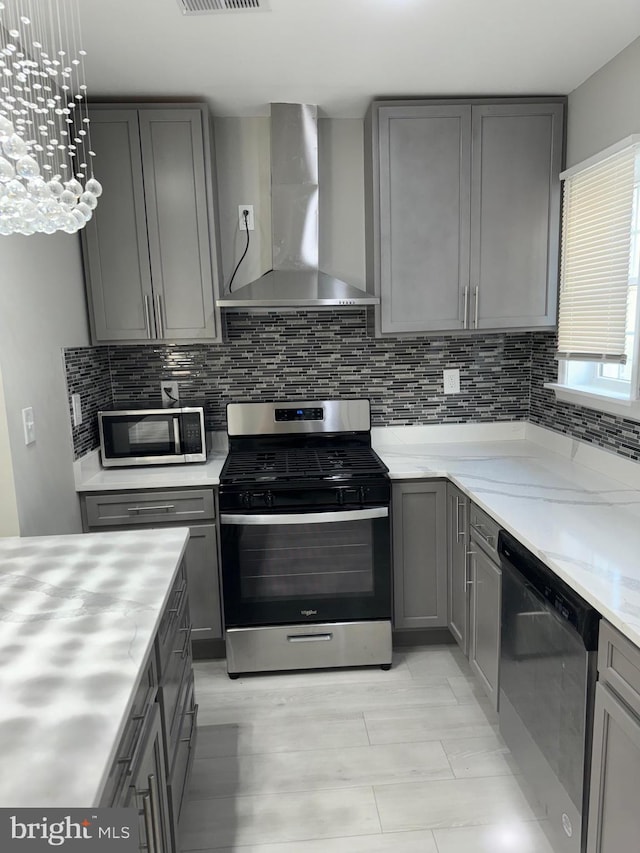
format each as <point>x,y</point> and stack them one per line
<point>304,517</point>
<point>176,434</point>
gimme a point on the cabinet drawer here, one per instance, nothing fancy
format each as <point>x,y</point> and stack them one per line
<point>185,750</point>
<point>172,620</point>
<point>133,734</point>
<point>484,531</point>
<point>619,665</point>
<point>173,688</point>
<point>152,507</point>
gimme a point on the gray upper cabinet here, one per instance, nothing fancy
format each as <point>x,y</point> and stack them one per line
<point>419,554</point>
<point>115,247</point>
<point>149,250</point>
<point>463,213</point>
<point>515,215</point>
<point>424,216</point>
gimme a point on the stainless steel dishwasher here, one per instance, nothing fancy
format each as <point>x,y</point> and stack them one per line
<point>549,639</point>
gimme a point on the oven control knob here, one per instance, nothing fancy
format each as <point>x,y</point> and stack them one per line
<point>268,499</point>
<point>340,497</point>
<point>245,497</point>
<point>362,491</point>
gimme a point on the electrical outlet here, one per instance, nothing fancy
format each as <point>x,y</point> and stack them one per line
<point>76,407</point>
<point>170,394</point>
<point>241,209</point>
<point>451,381</point>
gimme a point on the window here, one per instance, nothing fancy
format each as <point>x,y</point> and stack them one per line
<point>598,327</point>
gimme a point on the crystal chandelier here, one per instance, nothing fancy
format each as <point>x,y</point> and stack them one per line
<point>46,173</point>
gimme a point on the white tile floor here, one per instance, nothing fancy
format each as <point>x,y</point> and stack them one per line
<point>354,761</point>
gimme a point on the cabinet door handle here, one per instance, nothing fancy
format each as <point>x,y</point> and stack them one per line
<point>155,812</point>
<point>147,315</point>
<point>475,320</point>
<point>459,533</point>
<point>465,322</point>
<point>160,320</point>
<point>148,824</point>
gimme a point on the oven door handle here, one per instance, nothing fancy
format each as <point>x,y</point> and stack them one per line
<point>305,517</point>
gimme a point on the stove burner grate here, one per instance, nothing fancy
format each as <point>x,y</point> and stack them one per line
<point>301,463</point>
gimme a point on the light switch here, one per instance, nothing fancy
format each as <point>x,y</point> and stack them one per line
<point>28,426</point>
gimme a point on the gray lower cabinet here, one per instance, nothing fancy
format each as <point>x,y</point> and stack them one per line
<point>147,790</point>
<point>419,510</point>
<point>155,753</point>
<point>164,508</point>
<point>463,213</point>
<point>485,601</point>
<point>149,251</point>
<point>614,816</point>
<point>202,576</point>
<point>458,545</point>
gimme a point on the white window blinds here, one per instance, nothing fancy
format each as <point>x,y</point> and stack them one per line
<point>596,241</point>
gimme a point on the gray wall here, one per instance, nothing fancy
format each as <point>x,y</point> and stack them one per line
<point>603,110</point>
<point>42,309</point>
<point>606,107</point>
<point>9,525</point>
<point>243,152</point>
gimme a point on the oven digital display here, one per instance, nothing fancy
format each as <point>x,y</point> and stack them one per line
<point>299,414</point>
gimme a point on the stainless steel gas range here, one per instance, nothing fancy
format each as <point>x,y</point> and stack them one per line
<point>306,554</point>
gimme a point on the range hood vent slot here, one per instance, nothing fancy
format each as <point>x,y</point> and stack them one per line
<point>207,7</point>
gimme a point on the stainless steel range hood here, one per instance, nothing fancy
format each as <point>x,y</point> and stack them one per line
<point>295,280</point>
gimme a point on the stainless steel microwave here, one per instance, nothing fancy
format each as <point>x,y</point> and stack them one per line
<point>152,436</point>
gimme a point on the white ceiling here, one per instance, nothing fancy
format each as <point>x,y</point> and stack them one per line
<point>340,54</point>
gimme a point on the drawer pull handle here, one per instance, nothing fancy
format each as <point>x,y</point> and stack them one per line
<point>486,537</point>
<point>309,638</point>
<point>193,714</point>
<point>139,509</point>
<point>130,760</point>
<point>185,649</point>
<point>180,596</point>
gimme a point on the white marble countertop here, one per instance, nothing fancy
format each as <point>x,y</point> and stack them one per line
<point>576,507</point>
<point>78,615</point>
<point>551,494</point>
<point>90,476</point>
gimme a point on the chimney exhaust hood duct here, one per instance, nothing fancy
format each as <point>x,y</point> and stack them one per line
<point>295,280</point>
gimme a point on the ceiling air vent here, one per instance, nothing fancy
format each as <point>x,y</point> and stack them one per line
<point>206,7</point>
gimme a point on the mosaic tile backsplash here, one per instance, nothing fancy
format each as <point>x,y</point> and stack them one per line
<point>88,374</point>
<point>329,354</point>
<point>610,432</point>
<point>318,354</point>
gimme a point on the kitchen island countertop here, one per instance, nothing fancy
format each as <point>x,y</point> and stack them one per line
<point>78,616</point>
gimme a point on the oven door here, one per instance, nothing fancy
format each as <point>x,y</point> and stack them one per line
<point>279,569</point>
